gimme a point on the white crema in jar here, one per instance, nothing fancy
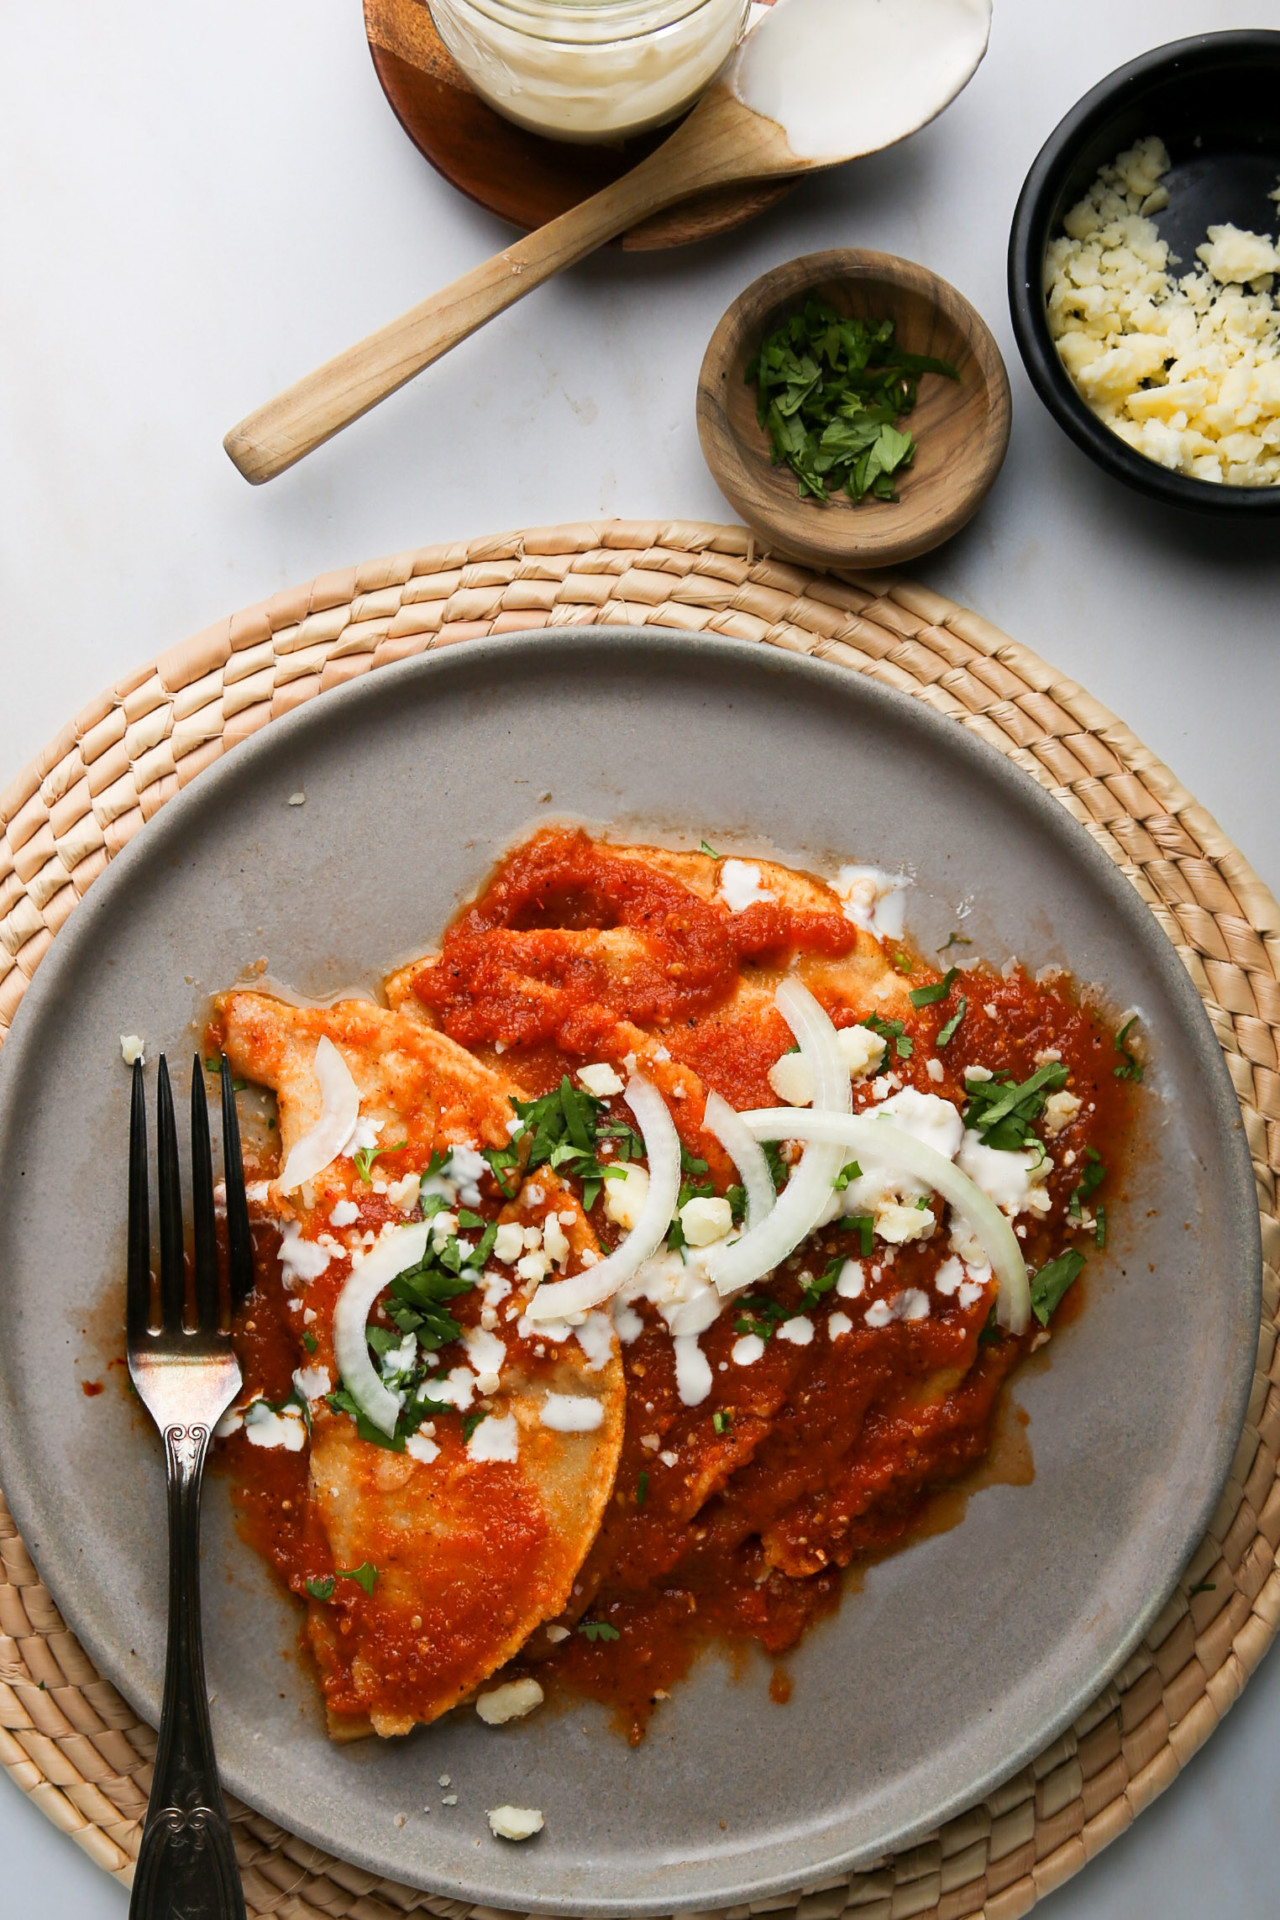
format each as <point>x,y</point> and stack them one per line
<point>589,69</point>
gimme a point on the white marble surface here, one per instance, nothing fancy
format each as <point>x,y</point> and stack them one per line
<point>200,204</point>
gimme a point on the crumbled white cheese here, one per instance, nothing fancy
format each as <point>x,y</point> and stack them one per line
<point>747,1350</point>
<point>344,1214</point>
<point>899,1224</point>
<point>911,1304</point>
<point>571,1413</point>
<point>978,1073</point>
<point>533,1266</point>
<point>625,1195</point>
<point>860,1049</point>
<point>132,1049</point>
<point>601,1080</point>
<point>1187,371</point>
<point>879,1313</point>
<point>363,1137</point>
<point>495,1439</point>
<point>555,1240</point>
<point>740,886</point>
<point>798,1330</point>
<point>838,1323</point>
<point>935,1070</point>
<point>705,1221</point>
<point>300,1260</point>
<point>511,1701</point>
<point>556,1634</point>
<point>791,1078</point>
<point>1060,1109</point>
<point>403,1194</point>
<point>420,1446</point>
<point>458,1388</point>
<point>313,1382</point>
<point>515,1823</point>
<point>465,1167</point>
<point>298,799</point>
<point>263,1428</point>
<point>508,1242</point>
<point>1014,1179</point>
<point>486,1353</point>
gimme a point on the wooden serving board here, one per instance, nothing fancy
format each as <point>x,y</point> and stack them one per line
<point>519,175</point>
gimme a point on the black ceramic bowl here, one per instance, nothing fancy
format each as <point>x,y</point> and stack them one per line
<point>1215,102</point>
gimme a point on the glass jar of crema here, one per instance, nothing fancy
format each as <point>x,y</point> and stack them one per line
<point>589,69</point>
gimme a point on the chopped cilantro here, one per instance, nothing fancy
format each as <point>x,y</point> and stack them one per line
<point>365,1156</point>
<point>954,940</point>
<point>1090,1180</point>
<point>310,1342</point>
<point>704,847</point>
<point>341,1402</point>
<point>502,1161</point>
<point>760,1315</point>
<point>721,1421</point>
<point>991,1331</point>
<point>320,1589</point>
<point>847,1173</point>
<point>862,1224</point>
<point>364,1575</point>
<point>594,1630</point>
<point>829,390</point>
<point>1130,1067</point>
<point>1100,1227</point>
<point>212,1064</point>
<point>777,1165</point>
<point>890,1030</point>
<point>1052,1281</point>
<point>930,996</point>
<point>563,1129</point>
<point>642,1488</point>
<point>902,964</point>
<point>811,1291</point>
<point>737,1198</point>
<point>1002,1110</point>
<point>472,1421</point>
<point>948,1033</point>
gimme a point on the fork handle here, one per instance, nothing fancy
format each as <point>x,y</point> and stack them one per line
<point>186,1863</point>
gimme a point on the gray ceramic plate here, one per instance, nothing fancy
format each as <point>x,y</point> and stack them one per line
<point>963,1655</point>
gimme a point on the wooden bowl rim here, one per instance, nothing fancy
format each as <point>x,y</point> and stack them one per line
<point>862,535</point>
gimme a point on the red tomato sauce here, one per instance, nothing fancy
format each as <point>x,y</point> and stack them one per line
<point>730,1520</point>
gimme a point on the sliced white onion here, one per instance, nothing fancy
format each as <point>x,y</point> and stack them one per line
<point>808,1191</point>
<point>401,1248</point>
<point>339,1113</point>
<point>880,1142</point>
<point>587,1289</point>
<point>747,1155</point>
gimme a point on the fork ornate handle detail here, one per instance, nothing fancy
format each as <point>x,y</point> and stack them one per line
<point>186,1864</point>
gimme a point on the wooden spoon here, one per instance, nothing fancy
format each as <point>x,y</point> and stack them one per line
<point>722,140</point>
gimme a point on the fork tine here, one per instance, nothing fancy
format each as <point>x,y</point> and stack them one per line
<point>173,1280</point>
<point>138,1292</point>
<point>239,1243</point>
<point>204,1228</point>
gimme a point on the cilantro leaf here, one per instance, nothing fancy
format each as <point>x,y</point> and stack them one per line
<point>888,1030</point>
<point>364,1575</point>
<point>830,390</point>
<point>1130,1067</point>
<point>472,1421</point>
<point>642,1488</point>
<point>929,996</point>
<point>319,1589</point>
<point>948,1033</point>
<point>1049,1285</point>
<point>594,1630</point>
<point>1001,1110</point>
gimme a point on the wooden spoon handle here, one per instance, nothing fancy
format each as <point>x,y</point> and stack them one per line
<point>305,415</point>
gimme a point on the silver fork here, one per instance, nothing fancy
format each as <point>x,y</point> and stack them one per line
<point>186,1377</point>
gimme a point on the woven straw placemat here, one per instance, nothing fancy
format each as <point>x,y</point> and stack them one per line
<point>71,1742</point>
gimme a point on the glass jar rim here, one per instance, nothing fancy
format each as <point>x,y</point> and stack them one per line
<point>579,21</point>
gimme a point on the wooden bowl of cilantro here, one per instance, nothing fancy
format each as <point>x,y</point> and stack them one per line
<point>854,408</point>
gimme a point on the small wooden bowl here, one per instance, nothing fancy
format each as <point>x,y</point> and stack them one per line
<point>962,429</point>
